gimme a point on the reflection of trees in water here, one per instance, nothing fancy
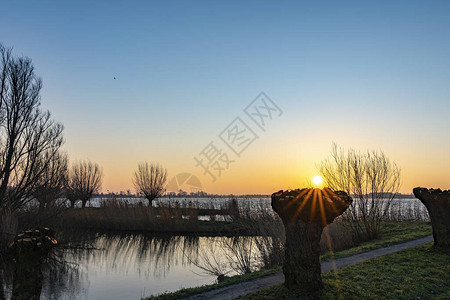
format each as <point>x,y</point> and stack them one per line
<point>62,279</point>
<point>221,256</point>
<point>66,269</point>
<point>59,278</point>
<point>145,253</point>
<point>2,289</point>
<point>148,254</point>
<point>156,255</point>
<point>207,260</point>
<point>6,272</point>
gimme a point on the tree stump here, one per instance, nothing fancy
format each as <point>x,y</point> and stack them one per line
<point>305,213</point>
<point>30,249</point>
<point>437,203</point>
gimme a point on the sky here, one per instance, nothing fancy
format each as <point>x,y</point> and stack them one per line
<point>135,81</point>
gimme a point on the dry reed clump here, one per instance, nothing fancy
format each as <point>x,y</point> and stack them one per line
<point>268,229</point>
<point>164,216</point>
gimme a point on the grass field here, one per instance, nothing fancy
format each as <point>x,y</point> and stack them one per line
<point>392,233</point>
<point>416,273</point>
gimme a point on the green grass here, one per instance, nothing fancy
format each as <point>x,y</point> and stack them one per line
<point>228,281</point>
<point>416,273</point>
<point>393,233</point>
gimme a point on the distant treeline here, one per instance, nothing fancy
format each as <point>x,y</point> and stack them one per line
<point>181,194</point>
<point>201,194</point>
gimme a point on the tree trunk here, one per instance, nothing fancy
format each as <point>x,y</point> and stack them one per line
<point>305,213</point>
<point>27,278</point>
<point>301,266</point>
<point>30,250</point>
<point>83,203</point>
<point>437,203</point>
<point>150,201</point>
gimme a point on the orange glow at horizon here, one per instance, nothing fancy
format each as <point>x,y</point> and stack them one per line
<point>288,168</point>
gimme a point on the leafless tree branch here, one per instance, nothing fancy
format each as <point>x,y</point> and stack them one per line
<point>372,180</point>
<point>150,179</point>
<point>85,179</point>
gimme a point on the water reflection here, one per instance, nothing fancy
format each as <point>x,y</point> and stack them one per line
<point>62,280</point>
<point>3,278</point>
<point>124,266</point>
<point>144,254</point>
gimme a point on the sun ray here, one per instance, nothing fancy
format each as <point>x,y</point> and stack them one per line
<point>314,202</point>
<point>331,204</point>
<point>323,216</point>
<point>302,205</point>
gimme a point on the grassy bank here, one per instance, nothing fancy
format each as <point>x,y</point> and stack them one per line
<point>392,233</point>
<point>417,273</point>
<point>228,281</point>
<point>395,233</point>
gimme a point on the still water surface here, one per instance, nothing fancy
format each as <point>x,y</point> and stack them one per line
<point>128,266</point>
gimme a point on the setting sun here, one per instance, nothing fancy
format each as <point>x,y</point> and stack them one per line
<point>317,180</point>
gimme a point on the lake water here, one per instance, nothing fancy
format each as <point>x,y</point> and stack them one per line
<point>130,266</point>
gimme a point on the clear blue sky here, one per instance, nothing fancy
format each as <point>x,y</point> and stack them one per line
<point>373,75</point>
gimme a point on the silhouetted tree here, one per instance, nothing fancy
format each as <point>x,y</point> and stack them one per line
<point>85,178</point>
<point>371,179</point>
<point>70,194</point>
<point>150,179</point>
<point>51,183</point>
<point>29,138</point>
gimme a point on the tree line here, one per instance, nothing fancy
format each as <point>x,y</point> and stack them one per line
<point>33,166</point>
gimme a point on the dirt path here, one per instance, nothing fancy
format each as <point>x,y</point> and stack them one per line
<point>243,288</point>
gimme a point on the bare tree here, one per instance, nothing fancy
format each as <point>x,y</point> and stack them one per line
<point>240,253</point>
<point>207,259</point>
<point>371,179</point>
<point>85,178</point>
<point>51,183</point>
<point>70,193</point>
<point>150,179</point>
<point>29,139</point>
